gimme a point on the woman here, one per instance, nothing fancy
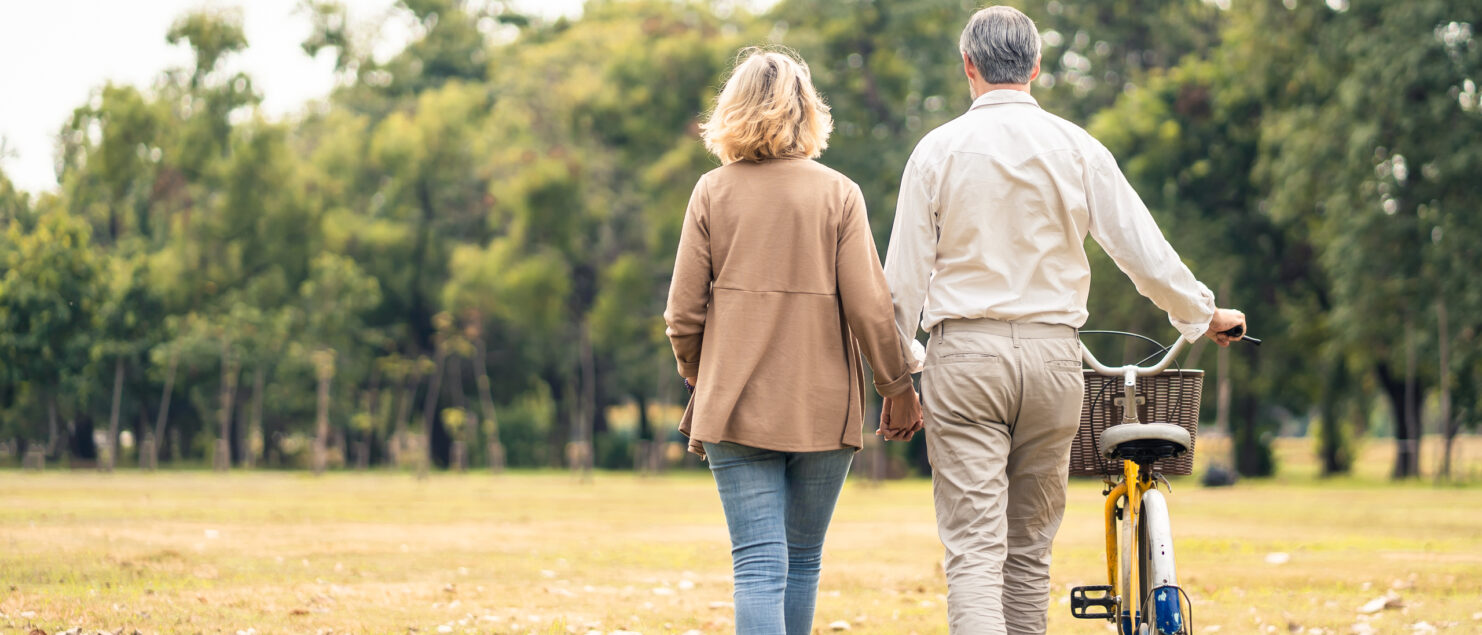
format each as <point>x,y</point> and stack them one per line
<point>775,278</point>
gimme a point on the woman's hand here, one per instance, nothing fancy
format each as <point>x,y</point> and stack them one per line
<point>900,417</point>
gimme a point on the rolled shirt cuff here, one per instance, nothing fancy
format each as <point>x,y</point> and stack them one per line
<point>1194,329</point>
<point>917,361</point>
<point>1191,332</point>
<point>689,370</point>
<point>894,388</point>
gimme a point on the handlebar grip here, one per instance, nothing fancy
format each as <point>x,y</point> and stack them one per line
<point>1239,332</point>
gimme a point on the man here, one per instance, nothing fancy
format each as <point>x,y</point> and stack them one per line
<point>989,241</point>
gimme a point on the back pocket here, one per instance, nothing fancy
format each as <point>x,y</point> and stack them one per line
<point>1064,365</point>
<point>964,358</point>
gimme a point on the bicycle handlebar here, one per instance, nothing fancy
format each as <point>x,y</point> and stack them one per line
<point>1162,365</point>
<point>1140,371</point>
<point>1239,331</point>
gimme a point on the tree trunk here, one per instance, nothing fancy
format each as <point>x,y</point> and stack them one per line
<point>558,435</point>
<point>51,424</point>
<point>1394,389</point>
<point>420,314</point>
<point>1251,458</point>
<point>1443,339</point>
<point>486,401</point>
<point>429,409</point>
<point>338,442</point>
<point>1336,458</point>
<point>459,457</point>
<point>643,448</point>
<point>468,427</point>
<point>35,459</point>
<point>1452,427</point>
<point>324,372</point>
<point>1411,399</point>
<point>164,416</point>
<point>254,429</point>
<point>118,377</point>
<point>1412,406</point>
<point>374,416</point>
<point>391,427</point>
<point>142,434</point>
<point>385,410</point>
<point>403,413</point>
<point>587,407</point>
<point>70,437</point>
<point>223,458</point>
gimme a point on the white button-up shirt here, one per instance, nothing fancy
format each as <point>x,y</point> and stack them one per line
<point>992,220</point>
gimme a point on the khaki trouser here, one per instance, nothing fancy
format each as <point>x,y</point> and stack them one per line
<point>1002,403</point>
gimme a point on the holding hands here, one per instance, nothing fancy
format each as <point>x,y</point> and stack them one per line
<point>900,417</point>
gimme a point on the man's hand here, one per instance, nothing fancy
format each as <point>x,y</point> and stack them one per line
<point>1224,320</point>
<point>900,417</point>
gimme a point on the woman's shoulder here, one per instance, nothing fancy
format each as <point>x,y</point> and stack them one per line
<point>807,172</point>
<point>828,173</point>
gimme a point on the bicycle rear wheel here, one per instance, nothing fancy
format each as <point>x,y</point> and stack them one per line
<point>1161,598</point>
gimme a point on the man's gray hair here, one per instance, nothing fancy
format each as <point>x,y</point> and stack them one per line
<point>1003,44</point>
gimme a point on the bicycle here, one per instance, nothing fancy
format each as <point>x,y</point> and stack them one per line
<point>1139,541</point>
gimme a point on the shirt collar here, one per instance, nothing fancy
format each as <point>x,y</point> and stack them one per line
<point>1003,96</point>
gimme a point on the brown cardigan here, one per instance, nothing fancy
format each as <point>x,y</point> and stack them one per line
<point>775,277</point>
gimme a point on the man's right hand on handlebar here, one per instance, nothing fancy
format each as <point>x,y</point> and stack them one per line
<point>1224,320</point>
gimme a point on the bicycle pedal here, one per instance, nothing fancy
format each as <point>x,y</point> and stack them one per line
<point>1085,598</point>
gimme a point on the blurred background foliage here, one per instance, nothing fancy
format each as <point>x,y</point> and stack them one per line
<point>461,257</point>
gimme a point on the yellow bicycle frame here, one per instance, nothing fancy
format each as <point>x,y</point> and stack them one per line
<point>1132,487</point>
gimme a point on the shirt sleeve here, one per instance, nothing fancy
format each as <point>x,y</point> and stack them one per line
<point>689,289</point>
<point>1124,228</point>
<point>911,256</point>
<point>865,299</point>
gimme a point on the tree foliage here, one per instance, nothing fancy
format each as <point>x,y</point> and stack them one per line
<point>475,233</point>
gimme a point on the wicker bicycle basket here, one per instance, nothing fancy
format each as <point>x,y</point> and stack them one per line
<point>1170,397</point>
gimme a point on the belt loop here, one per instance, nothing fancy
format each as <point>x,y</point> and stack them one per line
<point>942,330</point>
<point>1014,328</point>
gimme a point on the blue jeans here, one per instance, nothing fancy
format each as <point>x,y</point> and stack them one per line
<point>778,506</point>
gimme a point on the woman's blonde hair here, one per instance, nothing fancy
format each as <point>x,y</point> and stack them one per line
<point>768,109</point>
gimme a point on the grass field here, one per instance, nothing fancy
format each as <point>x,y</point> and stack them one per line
<point>196,552</point>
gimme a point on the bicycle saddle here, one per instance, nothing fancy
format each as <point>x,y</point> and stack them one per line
<point>1144,442</point>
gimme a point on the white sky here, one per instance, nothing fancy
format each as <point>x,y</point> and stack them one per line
<point>54,53</point>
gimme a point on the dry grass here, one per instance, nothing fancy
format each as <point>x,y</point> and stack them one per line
<point>536,552</point>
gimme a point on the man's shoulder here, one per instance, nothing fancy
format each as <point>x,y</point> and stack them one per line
<point>1053,131</point>
<point>1070,133</point>
<point>934,146</point>
<point>937,139</point>
<point>1088,146</point>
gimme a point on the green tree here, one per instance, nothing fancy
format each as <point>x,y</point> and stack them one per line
<point>334,298</point>
<point>124,330</point>
<point>50,291</point>
<point>110,155</point>
<point>1374,143</point>
<point>1188,139</point>
<point>14,204</point>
